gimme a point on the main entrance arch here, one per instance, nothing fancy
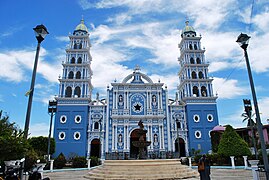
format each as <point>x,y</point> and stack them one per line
<point>181,145</point>
<point>134,151</point>
<point>95,148</point>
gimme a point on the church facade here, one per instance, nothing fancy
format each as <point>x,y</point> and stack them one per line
<point>104,127</point>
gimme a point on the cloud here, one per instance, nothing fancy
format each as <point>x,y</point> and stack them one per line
<point>21,61</point>
<point>39,129</point>
<point>264,109</point>
<point>233,91</point>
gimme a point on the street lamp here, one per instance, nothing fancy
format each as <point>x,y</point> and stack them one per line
<point>178,147</point>
<point>51,110</point>
<point>248,110</point>
<point>242,40</point>
<point>40,32</point>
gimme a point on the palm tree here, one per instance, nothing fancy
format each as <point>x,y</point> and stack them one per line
<point>249,118</point>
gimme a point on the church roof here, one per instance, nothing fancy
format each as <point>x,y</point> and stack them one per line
<point>81,26</point>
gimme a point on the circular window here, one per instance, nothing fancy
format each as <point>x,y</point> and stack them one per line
<point>210,117</point>
<point>196,118</point>
<point>209,133</point>
<point>198,134</point>
<point>77,135</point>
<point>63,119</point>
<point>61,135</point>
<point>78,119</point>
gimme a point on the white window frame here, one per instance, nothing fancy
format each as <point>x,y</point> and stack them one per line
<point>59,135</point>
<point>77,122</point>
<point>61,121</point>
<point>198,137</point>
<point>196,115</point>
<point>75,133</point>
<point>211,118</point>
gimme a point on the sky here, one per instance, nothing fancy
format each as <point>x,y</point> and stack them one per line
<point>125,33</point>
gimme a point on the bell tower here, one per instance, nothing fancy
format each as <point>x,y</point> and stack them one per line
<point>195,89</point>
<point>75,89</point>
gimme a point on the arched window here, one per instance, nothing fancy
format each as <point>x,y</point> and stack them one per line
<point>70,75</point>
<point>190,46</point>
<point>96,125</point>
<point>79,60</point>
<point>68,92</point>
<point>198,61</point>
<point>77,91</point>
<point>195,91</point>
<point>78,75</point>
<point>75,46</point>
<point>201,75</point>
<point>80,45</point>
<point>192,60</point>
<point>194,75</point>
<point>195,46</point>
<point>73,60</point>
<point>204,91</point>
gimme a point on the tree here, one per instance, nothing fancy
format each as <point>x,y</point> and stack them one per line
<point>231,144</point>
<point>13,146</point>
<point>40,145</point>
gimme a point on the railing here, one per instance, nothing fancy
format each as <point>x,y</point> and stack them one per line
<point>150,155</point>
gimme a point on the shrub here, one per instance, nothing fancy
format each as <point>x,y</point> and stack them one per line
<point>60,161</point>
<point>231,144</point>
<point>30,159</point>
<point>94,161</point>
<point>79,162</point>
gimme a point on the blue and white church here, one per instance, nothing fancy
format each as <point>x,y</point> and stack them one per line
<point>107,127</point>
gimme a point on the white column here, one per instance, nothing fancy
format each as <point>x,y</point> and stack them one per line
<point>189,161</point>
<point>113,100</point>
<point>150,99</point>
<point>254,168</point>
<point>160,137</point>
<point>107,122</point>
<point>51,165</point>
<point>89,163</point>
<point>128,138</point>
<point>113,138</point>
<point>161,100</point>
<point>127,104</point>
<point>245,162</point>
<point>232,160</point>
<point>125,100</point>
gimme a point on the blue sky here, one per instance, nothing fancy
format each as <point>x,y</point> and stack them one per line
<point>129,32</point>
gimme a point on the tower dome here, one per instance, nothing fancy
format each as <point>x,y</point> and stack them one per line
<point>81,27</point>
<point>188,30</point>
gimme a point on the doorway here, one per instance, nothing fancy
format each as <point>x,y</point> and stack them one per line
<point>181,147</point>
<point>134,151</point>
<point>95,148</point>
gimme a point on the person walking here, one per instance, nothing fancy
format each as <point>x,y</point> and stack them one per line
<point>204,168</point>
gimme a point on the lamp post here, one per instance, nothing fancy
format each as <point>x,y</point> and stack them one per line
<point>178,147</point>
<point>242,40</point>
<point>51,110</point>
<point>248,110</point>
<point>40,32</point>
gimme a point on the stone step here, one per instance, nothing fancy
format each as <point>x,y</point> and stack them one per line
<point>142,169</point>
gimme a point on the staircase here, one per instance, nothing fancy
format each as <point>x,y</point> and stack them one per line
<point>141,169</point>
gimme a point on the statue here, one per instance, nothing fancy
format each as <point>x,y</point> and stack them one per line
<point>141,144</point>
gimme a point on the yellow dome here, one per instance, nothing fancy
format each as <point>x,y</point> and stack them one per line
<point>187,28</point>
<point>81,26</point>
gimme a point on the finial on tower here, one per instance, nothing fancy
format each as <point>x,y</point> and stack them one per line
<point>137,68</point>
